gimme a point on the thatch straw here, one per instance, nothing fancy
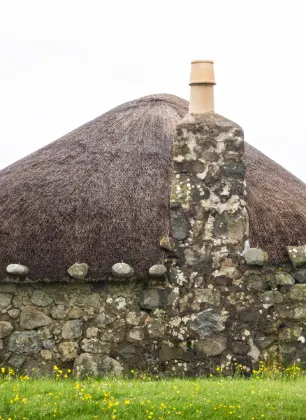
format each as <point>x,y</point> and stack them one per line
<point>100,195</point>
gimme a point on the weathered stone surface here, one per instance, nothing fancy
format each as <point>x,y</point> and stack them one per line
<point>122,270</point>
<point>24,342</point>
<point>262,341</point>
<point>17,269</point>
<point>5,329</point>
<point>255,282</point>
<point>76,313</point>
<point>72,329</point>
<point>59,312</point>
<point>5,300</point>
<point>283,279</point>
<point>31,318</point>
<point>207,322</point>
<point>157,271</point>
<point>167,243</point>
<point>78,271</point>
<point>297,255</point>
<point>155,328</point>
<point>169,352</point>
<point>135,317</point>
<point>94,365</point>
<point>287,335</point>
<point>211,346</point>
<point>14,313</point>
<point>298,292</point>
<point>91,332</point>
<point>46,355</point>
<point>256,256</point>
<point>292,312</point>
<point>157,298</point>
<point>16,361</point>
<point>1,344</point>
<point>89,300</point>
<point>179,224</point>
<point>211,296</point>
<point>135,335</point>
<point>93,345</point>
<point>300,275</point>
<point>40,298</point>
<point>272,296</point>
<point>68,350</point>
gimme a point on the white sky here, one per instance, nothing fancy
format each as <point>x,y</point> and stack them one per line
<point>64,62</point>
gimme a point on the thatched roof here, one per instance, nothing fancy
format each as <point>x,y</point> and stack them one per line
<point>100,195</point>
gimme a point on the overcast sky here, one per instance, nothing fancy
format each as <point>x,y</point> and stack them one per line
<point>64,62</point>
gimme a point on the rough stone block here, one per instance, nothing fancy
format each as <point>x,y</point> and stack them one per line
<point>94,365</point>
<point>93,345</point>
<point>24,342</point>
<point>272,296</point>
<point>298,292</point>
<point>5,300</point>
<point>157,298</point>
<point>5,329</point>
<point>256,256</point>
<point>40,298</point>
<point>207,322</point>
<point>283,279</point>
<point>72,329</point>
<point>31,318</point>
<point>300,275</point>
<point>211,346</point>
<point>297,255</point>
<point>17,269</point>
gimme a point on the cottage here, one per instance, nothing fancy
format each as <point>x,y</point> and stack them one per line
<point>152,237</point>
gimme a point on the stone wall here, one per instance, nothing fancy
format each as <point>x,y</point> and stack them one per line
<point>173,327</point>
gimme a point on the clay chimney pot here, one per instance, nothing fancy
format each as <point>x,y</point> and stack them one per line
<point>202,81</point>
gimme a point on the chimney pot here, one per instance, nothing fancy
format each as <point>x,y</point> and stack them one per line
<point>202,81</point>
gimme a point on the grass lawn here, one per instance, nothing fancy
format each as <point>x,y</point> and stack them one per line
<point>213,398</point>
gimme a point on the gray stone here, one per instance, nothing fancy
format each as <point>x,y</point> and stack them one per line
<point>298,292</point>
<point>135,334</point>
<point>283,279</point>
<point>16,361</point>
<point>157,271</point>
<point>122,270</point>
<point>287,335</point>
<point>5,329</point>
<point>72,329</point>
<point>24,342</point>
<point>78,271</point>
<point>155,328</point>
<point>135,318</point>
<point>31,318</point>
<point>14,313</point>
<point>1,344</point>
<point>272,296</point>
<point>88,300</point>
<point>76,313</point>
<point>211,346</point>
<point>48,344</point>
<point>94,365</point>
<point>93,345</point>
<point>91,332</point>
<point>207,322</point>
<point>59,312</point>
<point>256,256</point>
<point>17,269</point>
<point>40,298</point>
<point>297,255</point>
<point>68,350</point>
<point>289,312</point>
<point>46,355</point>
<point>300,275</point>
<point>179,224</point>
<point>157,298</point>
<point>168,352</point>
<point>211,296</point>
<point>5,300</point>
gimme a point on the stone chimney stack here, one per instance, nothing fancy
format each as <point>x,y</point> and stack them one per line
<point>208,195</point>
<point>202,81</point>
